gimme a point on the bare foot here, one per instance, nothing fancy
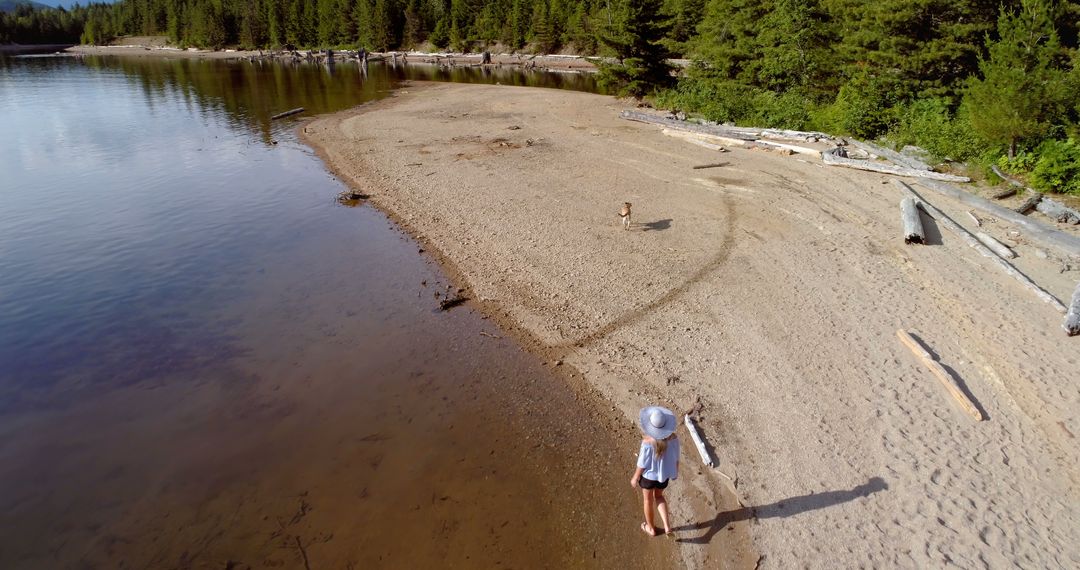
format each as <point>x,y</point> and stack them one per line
<point>649,531</point>
<point>669,533</point>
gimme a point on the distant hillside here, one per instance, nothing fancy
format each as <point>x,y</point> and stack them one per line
<point>9,5</point>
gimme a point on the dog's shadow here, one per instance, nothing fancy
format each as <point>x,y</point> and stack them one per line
<point>657,225</point>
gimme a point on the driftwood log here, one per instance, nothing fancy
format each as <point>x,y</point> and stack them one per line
<point>697,138</point>
<point>909,216</point>
<point>1067,244</point>
<point>902,160</point>
<point>1013,188</point>
<point>673,123</point>
<point>1057,211</point>
<point>830,157</point>
<point>698,442</point>
<point>713,165</point>
<point>942,375</point>
<point>288,113</point>
<point>1072,318</point>
<point>995,245</point>
<point>982,249</point>
<point>1029,204</point>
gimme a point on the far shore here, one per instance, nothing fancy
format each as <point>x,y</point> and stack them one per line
<point>765,291</point>
<point>554,62</point>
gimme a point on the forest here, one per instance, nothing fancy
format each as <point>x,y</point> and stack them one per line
<point>968,80</point>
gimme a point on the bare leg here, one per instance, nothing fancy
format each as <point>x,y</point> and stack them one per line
<point>649,503</point>
<point>661,505</point>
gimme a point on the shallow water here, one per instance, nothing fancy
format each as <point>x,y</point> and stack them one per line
<point>206,360</point>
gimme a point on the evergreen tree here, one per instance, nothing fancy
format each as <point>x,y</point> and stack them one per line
<point>638,43</point>
<point>1021,87</point>
<point>415,31</point>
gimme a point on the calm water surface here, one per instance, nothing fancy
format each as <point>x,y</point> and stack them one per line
<point>206,361</point>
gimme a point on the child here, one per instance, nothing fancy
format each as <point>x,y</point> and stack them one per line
<point>657,463</point>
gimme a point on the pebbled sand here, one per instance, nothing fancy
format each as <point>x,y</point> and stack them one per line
<point>771,288</point>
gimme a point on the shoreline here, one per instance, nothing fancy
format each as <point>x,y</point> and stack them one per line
<point>546,62</point>
<point>466,171</point>
<point>733,552</point>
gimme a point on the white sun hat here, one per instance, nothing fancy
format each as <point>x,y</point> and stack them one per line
<point>657,422</point>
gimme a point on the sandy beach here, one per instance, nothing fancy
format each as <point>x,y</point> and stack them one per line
<point>770,289</point>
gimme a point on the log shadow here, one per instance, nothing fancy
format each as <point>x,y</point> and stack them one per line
<point>960,383</point>
<point>931,230</point>
<point>657,225</point>
<point>781,509</point>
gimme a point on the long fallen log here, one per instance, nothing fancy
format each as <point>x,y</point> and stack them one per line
<point>684,125</point>
<point>985,251</point>
<point>1033,228</point>
<point>830,158</point>
<point>909,217</point>
<point>793,148</point>
<point>697,138</point>
<point>1029,204</point>
<point>288,113</point>
<point>1072,318</point>
<point>995,245</point>
<point>942,375</point>
<point>1057,211</point>
<point>902,160</point>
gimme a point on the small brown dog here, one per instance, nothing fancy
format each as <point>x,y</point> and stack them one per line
<point>624,213</point>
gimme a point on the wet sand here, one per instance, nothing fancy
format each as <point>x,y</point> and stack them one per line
<point>771,289</point>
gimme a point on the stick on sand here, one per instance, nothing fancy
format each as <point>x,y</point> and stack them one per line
<point>943,375</point>
<point>698,442</point>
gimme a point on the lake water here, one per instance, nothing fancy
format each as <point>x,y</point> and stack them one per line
<point>207,361</point>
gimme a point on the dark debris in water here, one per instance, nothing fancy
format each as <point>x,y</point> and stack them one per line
<point>451,302</point>
<point>351,198</point>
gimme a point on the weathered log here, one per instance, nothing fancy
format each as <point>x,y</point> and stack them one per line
<point>995,245</point>
<point>942,375</point>
<point>1034,229</point>
<point>909,216</point>
<point>1029,204</point>
<point>830,157</point>
<point>1001,195</point>
<point>713,165</point>
<point>698,442</point>
<point>1014,186</point>
<point>982,249</point>
<point>904,161</point>
<point>1058,211</point>
<point>1005,177</point>
<point>288,113</point>
<point>685,125</point>
<point>1072,318</point>
<point>793,148</point>
<point>708,141</point>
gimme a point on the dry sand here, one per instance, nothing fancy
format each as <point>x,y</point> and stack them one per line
<point>771,288</point>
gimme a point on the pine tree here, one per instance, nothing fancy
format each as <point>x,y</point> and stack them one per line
<point>1020,88</point>
<point>638,43</point>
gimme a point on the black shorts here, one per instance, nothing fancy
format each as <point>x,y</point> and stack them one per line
<point>650,484</point>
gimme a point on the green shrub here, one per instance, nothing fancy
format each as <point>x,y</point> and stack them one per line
<point>785,111</point>
<point>1058,167</point>
<point>863,108</point>
<point>928,123</point>
<point>715,100</point>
